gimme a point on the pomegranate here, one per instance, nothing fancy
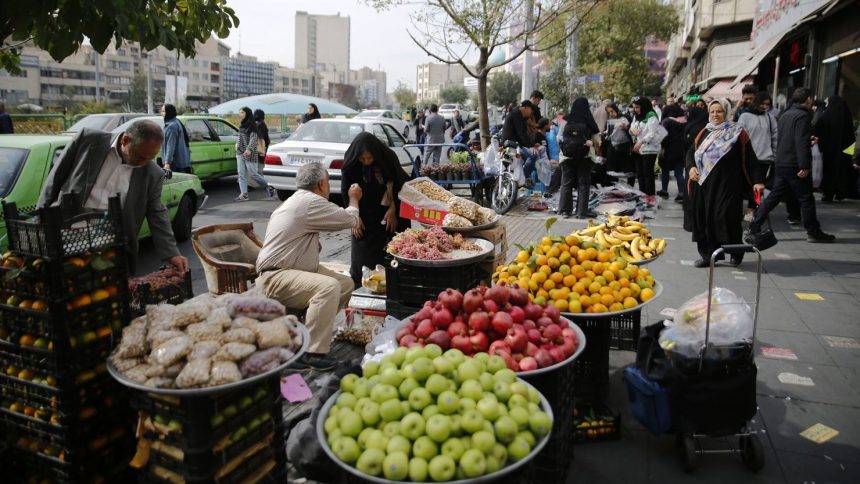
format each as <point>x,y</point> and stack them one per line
<point>442,318</point>
<point>419,344</point>
<point>499,294</point>
<point>568,333</point>
<point>461,342</point>
<point>533,311</point>
<point>502,322</point>
<point>424,329</point>
<point>408,340</point>
<point>544,321</point>
<point>451,299</point>
<point>568,346</point>
<point>497,347</point>
<point>531,348</point>
<point>490,306</point>
<point>544,358</point>
<point>528,364</point>
<point>552,312</point>
<point>557,354</point>
<point>441,338</point>
<point>519,296</point>
<point>479,342</point>
<point>407,328</point>
<point>529,324</point>
<point>517,314</point>
<point>514,366</point>
<point>479,321</point>
<point>457,327</point>
<point>535,336</point>
<point>517,339</point>
<point>473,300</point>
<point>426,312</point>
<point>563,323</point>
<point>552,333</point>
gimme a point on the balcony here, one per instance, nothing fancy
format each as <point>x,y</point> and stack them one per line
<point>714,14</point>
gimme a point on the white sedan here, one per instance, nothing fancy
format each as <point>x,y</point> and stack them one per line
<point>386,116</point>
<point>325,141</point>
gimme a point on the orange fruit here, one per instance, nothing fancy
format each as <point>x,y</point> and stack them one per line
<point>103,331</point>
<point>574,307</point>
<point>99,295</point>
<point>579,288</point>
<point>557,277</point>
<point>76,261</point>
<point>541,294</point>
<point>635,289</point>
<point>592,253</point>
<point>630,302</point>
<point>39,305</point>
<point>571,240</point>
<point>594,287</point>
<point>27,340</point>
<point>609,275</point>
<point>585,301</point>
<point>581,255</point>
<point>539,277</point>
<point>625,292</point>
<point>605,290</point>
<point>624,282</point>
<point>604,256</point>
<point>578,271</point>
<point>561,304</point>
<point>549,284</point>
<point>546,270</point>
<point>600,308</point>
<point>598,268</point>
<point>81,301</point>
<point>542,260</point>
<point>616,307</point>
<point>646,294</point>
<point>569,280</point>
<point>553,252</point>
<point>607,299</point>
<point>26,304</point>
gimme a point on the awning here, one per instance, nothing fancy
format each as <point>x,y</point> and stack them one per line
<point>727,88</point>
<point>747,66</point>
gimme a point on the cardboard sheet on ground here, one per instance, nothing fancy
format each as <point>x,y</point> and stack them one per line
<point>819,433</point>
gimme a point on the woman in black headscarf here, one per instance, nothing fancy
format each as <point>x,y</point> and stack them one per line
<point>313,113</point>
<point>672,158</point>
<point>697,119</point>
<point>175,151</point>
<point>247,155</point>
<point>579,125</point>
<point>835,131</point>
<point>376,169</point>
<point>617,143</point>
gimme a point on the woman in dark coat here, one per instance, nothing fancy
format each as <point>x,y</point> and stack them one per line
<point>313,113</point>
<point>672,157</point>
<point>263,141</point>
<point>577,171</point>
<point>835,131</point>
<point>617,143</point>
<point>376,169</point>
<point>697,118</point>
<point>722,169</point>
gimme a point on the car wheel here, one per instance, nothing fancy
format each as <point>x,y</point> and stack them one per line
<point>182,221</point>
<point>406,133</point>
<point>283,194</point>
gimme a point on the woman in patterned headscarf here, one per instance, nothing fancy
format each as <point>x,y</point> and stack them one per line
<point>722,169</point>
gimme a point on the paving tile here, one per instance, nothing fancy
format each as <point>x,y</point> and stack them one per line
<point>807,347</point>
<point>843,352</point>
<point>835,316</point>
<point>808,468</point>
<point>776,313</point>
<point>829,385</point>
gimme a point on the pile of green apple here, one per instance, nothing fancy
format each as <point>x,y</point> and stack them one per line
<point>420,415</point>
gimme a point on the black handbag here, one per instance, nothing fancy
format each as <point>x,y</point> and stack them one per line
<point>764,239</point>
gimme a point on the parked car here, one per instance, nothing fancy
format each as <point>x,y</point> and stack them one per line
<point>26,160</point>
<point>386,116</point>
<point>102,122</point>
<point>447,110</point>
<point>325,141</point>
<point>212,141</point>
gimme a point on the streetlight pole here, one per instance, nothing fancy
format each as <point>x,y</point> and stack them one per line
<point>528,65</point>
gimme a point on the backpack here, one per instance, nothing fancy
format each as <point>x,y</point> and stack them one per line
<point>574,139</point>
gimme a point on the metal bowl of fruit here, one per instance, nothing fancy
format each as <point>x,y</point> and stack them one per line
<point>432,451</point>
<point>644,261</point>
<point>657,288</point>
<point>467,230</point>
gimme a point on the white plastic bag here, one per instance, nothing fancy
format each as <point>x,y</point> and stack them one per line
<point>544,168</point>
<point>517,171</point>
<point>491,162</point>
<point>817,166</point>
<point>731,322</point>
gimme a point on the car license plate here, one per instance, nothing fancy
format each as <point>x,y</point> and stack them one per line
<point>301,160</point>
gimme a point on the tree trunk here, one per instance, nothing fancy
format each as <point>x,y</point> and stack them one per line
<point>483,113</point>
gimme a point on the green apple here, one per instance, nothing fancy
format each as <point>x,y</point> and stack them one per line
<point>453,448</point>
<point>330,424</point>
<point>370,368</point>
<point>467,404</point>
<point>456,356</point>
<point>386,364</point>
<point>456,428</point>
<point>419,398</point>
<point>489,408</point>
<point>383,392</point>
<point>459,475</point>
<point>347,383</point>
<point>493,464</point>
<point>346,449</point>
<point>376,440</point>
<point>473,463</point>
<point>472,421</point>
<point>429,411</point>
<point>533,407</point>
<point>500,452</point>
<point>425,448</point>
<point>527,436</point>
<point>392,376</point>
<point>413,354</point>
<point>363,436</point>
<point>407,386</point>
<point>540,423</point>
<point>412,426</point>
<point>391,429</point>
<point>395,466</point>
<point>495,363</point>
<point>471,389</point>
<point>370,462</point>
<point>421,369</point>
<point>534,396</point>
<point>333,436</point>
<point>399,356</point>
<point>436,384</point>
<point>518,449</point>
<point>438,428</point>
<point>488,426</point>
<point>483,357</point>
<point>467,442</point>
<point>350,423</point>
<point>519,388</point>
<point>468,370</point>
<point>346,400</point>
<point>398,443</point>
<point>442,468</point>
<point>370,413</point>
<point>418,469</point>
<point>432,351</point>
<point>360,389</point>
<point>506,429</point>
<point>517,401</point>
<point>502,391</point>
<point>448,402</point>
<point>404,405</point>
<point>390,410</point>
<point>444,366</point>
<point>520,416</point>
<point>506,375</point>
<point>487,382</point>
<point>484,441</point>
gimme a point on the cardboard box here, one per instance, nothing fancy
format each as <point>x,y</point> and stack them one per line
<point>423,215</point>
<point>498,236</point>
<point>489,266</point>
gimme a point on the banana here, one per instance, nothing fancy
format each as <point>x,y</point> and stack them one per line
<point>648,255</point>
<point>622,229</point>
<point>612,240</point>
<point>601,238</point>
<point>619,235</point>
<point>591,230</point>
<point>634,249</point>
<point>661,246</point>
<point>652,244</point>
<point>626,254</point>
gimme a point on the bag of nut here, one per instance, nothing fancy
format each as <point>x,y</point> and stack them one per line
<point>359,328</point>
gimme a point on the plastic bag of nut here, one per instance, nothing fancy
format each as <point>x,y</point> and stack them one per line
<point>359,328</point>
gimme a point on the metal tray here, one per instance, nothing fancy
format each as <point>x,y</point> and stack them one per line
<point>658,290</point>
<point>470,256</point>
<point>321,437</point>
<point>580,347</point>
<point>644,262</point>
<point>199,392</point>
<point>466,230</point>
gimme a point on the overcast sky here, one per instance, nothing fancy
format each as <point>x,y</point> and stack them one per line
<point>267,30</point>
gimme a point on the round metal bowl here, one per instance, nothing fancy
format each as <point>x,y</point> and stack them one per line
<point>199,392</point>
<point>485,478</point>
<point>658,290</point>
<point>466,230</point>
<point>644,262</point>
<point>459,257</point>
<point>580,347</point>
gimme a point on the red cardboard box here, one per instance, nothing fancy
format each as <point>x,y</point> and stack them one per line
<point>423,215</point>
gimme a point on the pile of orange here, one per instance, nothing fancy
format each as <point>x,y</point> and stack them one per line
<point>577,276</point>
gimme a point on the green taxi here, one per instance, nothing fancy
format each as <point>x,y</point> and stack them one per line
<point>212,141</point>
<point>26,160</point>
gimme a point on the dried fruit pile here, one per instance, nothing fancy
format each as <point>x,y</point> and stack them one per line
<point>463,213</point>
<point>428,244</point>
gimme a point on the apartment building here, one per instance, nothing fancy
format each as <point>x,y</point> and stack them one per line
<point>431,78</point>
<point>370,86</point>
<point>297,81</point>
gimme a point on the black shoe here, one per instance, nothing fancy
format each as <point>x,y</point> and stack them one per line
<point>736,261</point>
<point>586,215</point>
<point>793,221</point>
<point>316,361</point>
<point>679,198</point>
<point>701,263</point>
<point>827,199</point>
<point>548,194</point>
<point>820,238</point>
<point>663,193</point>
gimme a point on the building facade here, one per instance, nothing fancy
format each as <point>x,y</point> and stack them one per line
<point>432,78</point>
<point>246,76</point>
<point>322,42</point>
<point>297,81</point>
<point>370,86</point>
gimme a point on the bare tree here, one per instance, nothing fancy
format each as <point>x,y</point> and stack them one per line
<point>453,31</point>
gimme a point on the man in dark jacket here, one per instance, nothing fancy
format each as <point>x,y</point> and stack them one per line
<point>6,125</point>
<point>516,129</point>
<point>793,167</point>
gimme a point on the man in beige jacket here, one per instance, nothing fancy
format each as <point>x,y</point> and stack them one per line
<point>289,264</point>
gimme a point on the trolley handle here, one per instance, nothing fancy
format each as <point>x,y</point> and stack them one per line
<point>738,249</point>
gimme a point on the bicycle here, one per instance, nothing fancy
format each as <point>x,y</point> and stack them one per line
<point>503,187</point>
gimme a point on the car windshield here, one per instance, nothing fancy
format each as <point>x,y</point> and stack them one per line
<point>11,161</point>
<point>91,122</point>
<point>327,132</point>
<point>448,106</point>
<point>369,114</point>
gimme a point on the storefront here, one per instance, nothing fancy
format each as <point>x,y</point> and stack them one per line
<point>838,39</point>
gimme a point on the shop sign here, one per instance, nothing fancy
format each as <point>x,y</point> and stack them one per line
<point>776,17</point>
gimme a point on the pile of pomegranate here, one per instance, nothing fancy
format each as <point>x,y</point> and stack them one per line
<point>500,320</point>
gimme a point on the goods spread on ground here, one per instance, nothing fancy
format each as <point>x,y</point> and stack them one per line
<point>577,276</point>
<point>500,320</point>
<point>425,193</point>
<point>206,342</point>
<point>429,244</point>
<point>627,238</point>
<point>421,415</point>
<point>156,280</point>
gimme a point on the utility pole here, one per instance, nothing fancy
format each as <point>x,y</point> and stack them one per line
<point>527,85</point>
<point>149,82</point>
<point>97,61</point>
<point>572,55</point>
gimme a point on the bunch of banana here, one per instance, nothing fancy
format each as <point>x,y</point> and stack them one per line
<point>630,238</point>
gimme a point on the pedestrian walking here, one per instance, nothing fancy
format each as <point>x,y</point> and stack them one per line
<point>672,154</point>
<point>722,169</point>
<point>553,152</point>
<point>793,167</point>
<point>601,115</point>
<point>617,143</point>
<point>748,94</point>
<point>434,133</point>
<point>835,133</point>
<point>457,123</point>
<point>646,131</point>
<point>6,124</point>
<point>263,141</point>
<point>578,136</point>
<point>246,156</point>
<point>312,113</point>
<point>175,154</point>
<point>761,126</point>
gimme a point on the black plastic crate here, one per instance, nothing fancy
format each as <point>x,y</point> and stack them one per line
<point>399,311</point>
<point>34,278</point>
<point>259,465</point>
<point>413,285</point>
<point>623,329</point>
<point>144,294</point>
<point>84,324</point>
<point>592,365</point>
<point>65,395</point>
<point>595,423</point>
<point>558,388</point>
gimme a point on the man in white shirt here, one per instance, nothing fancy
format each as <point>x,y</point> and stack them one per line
<point>289,264</point>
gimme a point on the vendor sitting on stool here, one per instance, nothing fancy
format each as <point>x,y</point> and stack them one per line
<point>289,262</point>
